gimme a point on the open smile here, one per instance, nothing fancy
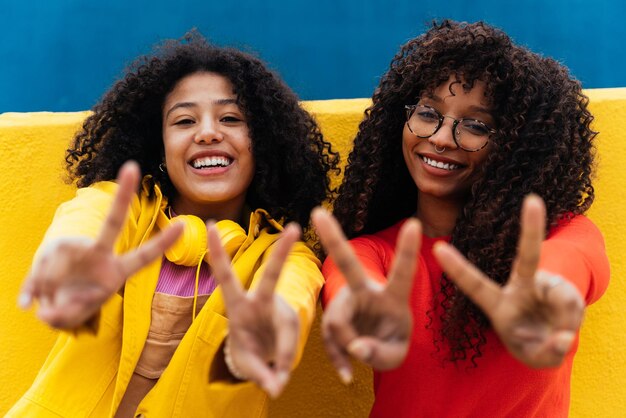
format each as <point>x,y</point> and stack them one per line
<point>211,162</point>
<point>440,164</point>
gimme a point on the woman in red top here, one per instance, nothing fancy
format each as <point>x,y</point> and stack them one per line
<point>489,146</point>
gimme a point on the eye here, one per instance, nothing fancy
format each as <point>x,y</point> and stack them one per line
<point>475,127</point>
<point>231,119</point>
<point>185,121</point>
<point>426,114</point>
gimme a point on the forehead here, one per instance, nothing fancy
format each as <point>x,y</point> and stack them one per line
<point>459,89</point>
<point>201,87</point>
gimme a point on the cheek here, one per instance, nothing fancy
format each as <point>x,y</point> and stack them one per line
<point>175,145</point>
<point>480,157</point>
<point>245,150</point>
<point>250,166</point>
<point>408,143</point>
<point>168,143</point>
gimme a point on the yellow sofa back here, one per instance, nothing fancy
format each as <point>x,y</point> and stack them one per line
<point>31,181</point>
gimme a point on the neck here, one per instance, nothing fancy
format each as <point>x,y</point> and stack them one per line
<point>233,211</point>
<point>438,216</point>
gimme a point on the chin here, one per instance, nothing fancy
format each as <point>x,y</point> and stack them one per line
<point>442,193</point>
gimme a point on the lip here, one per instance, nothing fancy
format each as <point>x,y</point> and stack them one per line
<point>439,172</point>
<point>210,171</point>
<point>209,153</point>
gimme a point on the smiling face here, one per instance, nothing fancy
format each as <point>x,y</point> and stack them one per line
<point>450,174</point>
<point>207,147</point>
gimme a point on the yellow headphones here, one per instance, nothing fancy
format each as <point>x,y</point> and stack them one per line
<point>191,247</point>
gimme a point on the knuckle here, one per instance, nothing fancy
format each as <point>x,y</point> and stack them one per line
<point>574,304</point>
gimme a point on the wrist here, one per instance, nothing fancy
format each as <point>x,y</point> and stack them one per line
<point>230,364</point>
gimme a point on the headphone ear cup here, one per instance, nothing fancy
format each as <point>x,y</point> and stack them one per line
<point>189,249</point>
<point>232,236</point>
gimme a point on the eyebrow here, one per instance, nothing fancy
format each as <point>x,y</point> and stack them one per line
<point>472,108</point>
<point>218,102</point>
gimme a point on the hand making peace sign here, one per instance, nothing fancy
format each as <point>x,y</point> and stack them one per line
<point>73,276</point>
<point>263,328</point>
<point>367,320</point>
<point>536,314</point>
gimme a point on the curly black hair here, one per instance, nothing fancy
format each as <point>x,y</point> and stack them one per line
<point>543,145</point>
<point>292,159</point>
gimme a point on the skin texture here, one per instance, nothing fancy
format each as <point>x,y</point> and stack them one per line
<point>201,119</point>
<point>440,188</point>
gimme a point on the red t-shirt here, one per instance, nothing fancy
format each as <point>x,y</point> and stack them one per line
<point>426,385</point>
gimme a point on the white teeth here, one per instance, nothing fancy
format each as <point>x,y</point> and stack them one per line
<point>211,162</point>
<point>439,164</point>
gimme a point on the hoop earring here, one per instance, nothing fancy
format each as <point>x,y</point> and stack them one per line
<point>439,150</point>
<point>162,168</point>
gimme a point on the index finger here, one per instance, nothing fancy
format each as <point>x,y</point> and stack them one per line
<point>533,223</point>
<point>220,263</point>
<point>289,236</point>
<point>128,180</point>
<point>473,282</point>
<point>404,265</point>
<point>338,248</point>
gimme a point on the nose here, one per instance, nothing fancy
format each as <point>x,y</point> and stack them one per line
<point>209,132</point>
<point>444,137</point>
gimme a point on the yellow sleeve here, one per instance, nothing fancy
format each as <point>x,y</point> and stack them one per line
<point>299,284</point>
<point>84,215</point>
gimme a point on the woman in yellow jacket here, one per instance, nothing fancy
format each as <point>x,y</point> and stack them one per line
<point>218,138</point>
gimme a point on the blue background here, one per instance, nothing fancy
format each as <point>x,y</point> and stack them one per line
<point>62,55</point>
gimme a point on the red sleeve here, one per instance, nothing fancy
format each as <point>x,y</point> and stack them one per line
<point>575,250</point>
<point>373,253</point>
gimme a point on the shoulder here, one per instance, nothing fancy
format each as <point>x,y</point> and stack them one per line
<point>575,249</point>
<point>96,197</point>
<point>104,191</point>
<point>384,240</point>
<point>577,229</point>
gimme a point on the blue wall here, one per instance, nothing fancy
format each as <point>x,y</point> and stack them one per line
<point>62,55</point>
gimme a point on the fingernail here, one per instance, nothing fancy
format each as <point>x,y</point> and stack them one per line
<point>360,350</point>
<point>563,341</point>
<point>345,375</point>
<point>24,301</point>
<point>282,377</point>
<point>439,246</point>
<point>272,390</point>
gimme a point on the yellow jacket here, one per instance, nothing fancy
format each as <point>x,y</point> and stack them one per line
<point>86,375</point>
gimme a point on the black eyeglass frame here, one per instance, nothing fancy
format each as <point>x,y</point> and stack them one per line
<point>411,108</point>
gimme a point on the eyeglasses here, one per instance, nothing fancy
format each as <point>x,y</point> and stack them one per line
<point>469,134</point>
